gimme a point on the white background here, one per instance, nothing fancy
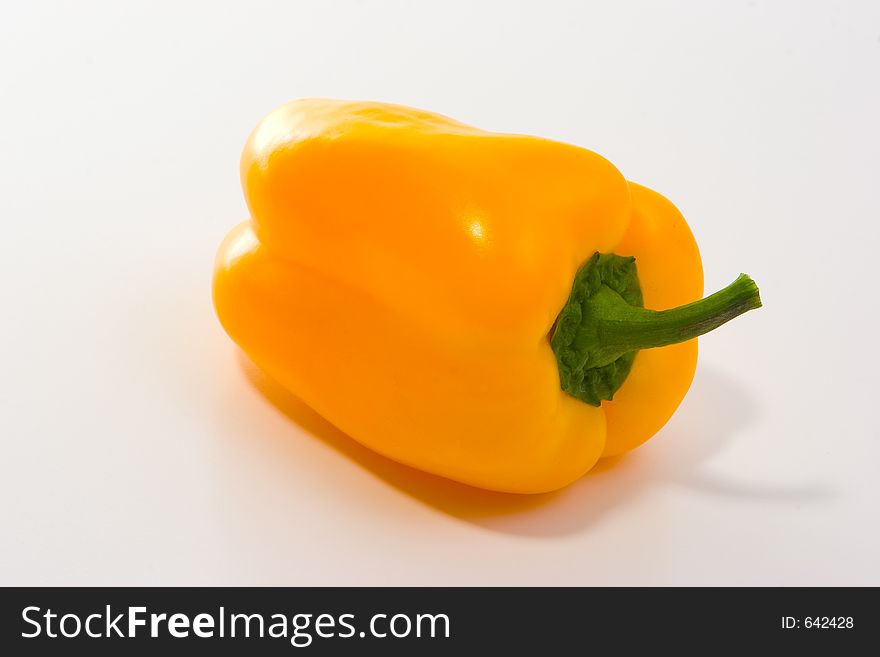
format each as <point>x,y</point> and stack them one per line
<point>136,448</point>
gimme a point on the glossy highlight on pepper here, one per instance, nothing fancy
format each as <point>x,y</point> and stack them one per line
<point>482,306</point>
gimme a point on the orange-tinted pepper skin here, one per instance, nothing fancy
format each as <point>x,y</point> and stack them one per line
<point>401,273</point>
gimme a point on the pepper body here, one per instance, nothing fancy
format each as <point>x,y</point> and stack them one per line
<point>402,272</point>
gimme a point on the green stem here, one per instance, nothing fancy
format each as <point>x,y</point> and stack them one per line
<point>623,328</point>
<point>604,324</point>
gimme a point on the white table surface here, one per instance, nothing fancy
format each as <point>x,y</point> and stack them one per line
<point>136,448</point>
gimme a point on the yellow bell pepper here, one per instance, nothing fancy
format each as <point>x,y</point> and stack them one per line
<point>462,301</point>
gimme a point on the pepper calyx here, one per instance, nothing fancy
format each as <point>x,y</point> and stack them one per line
<point>604,324</point>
